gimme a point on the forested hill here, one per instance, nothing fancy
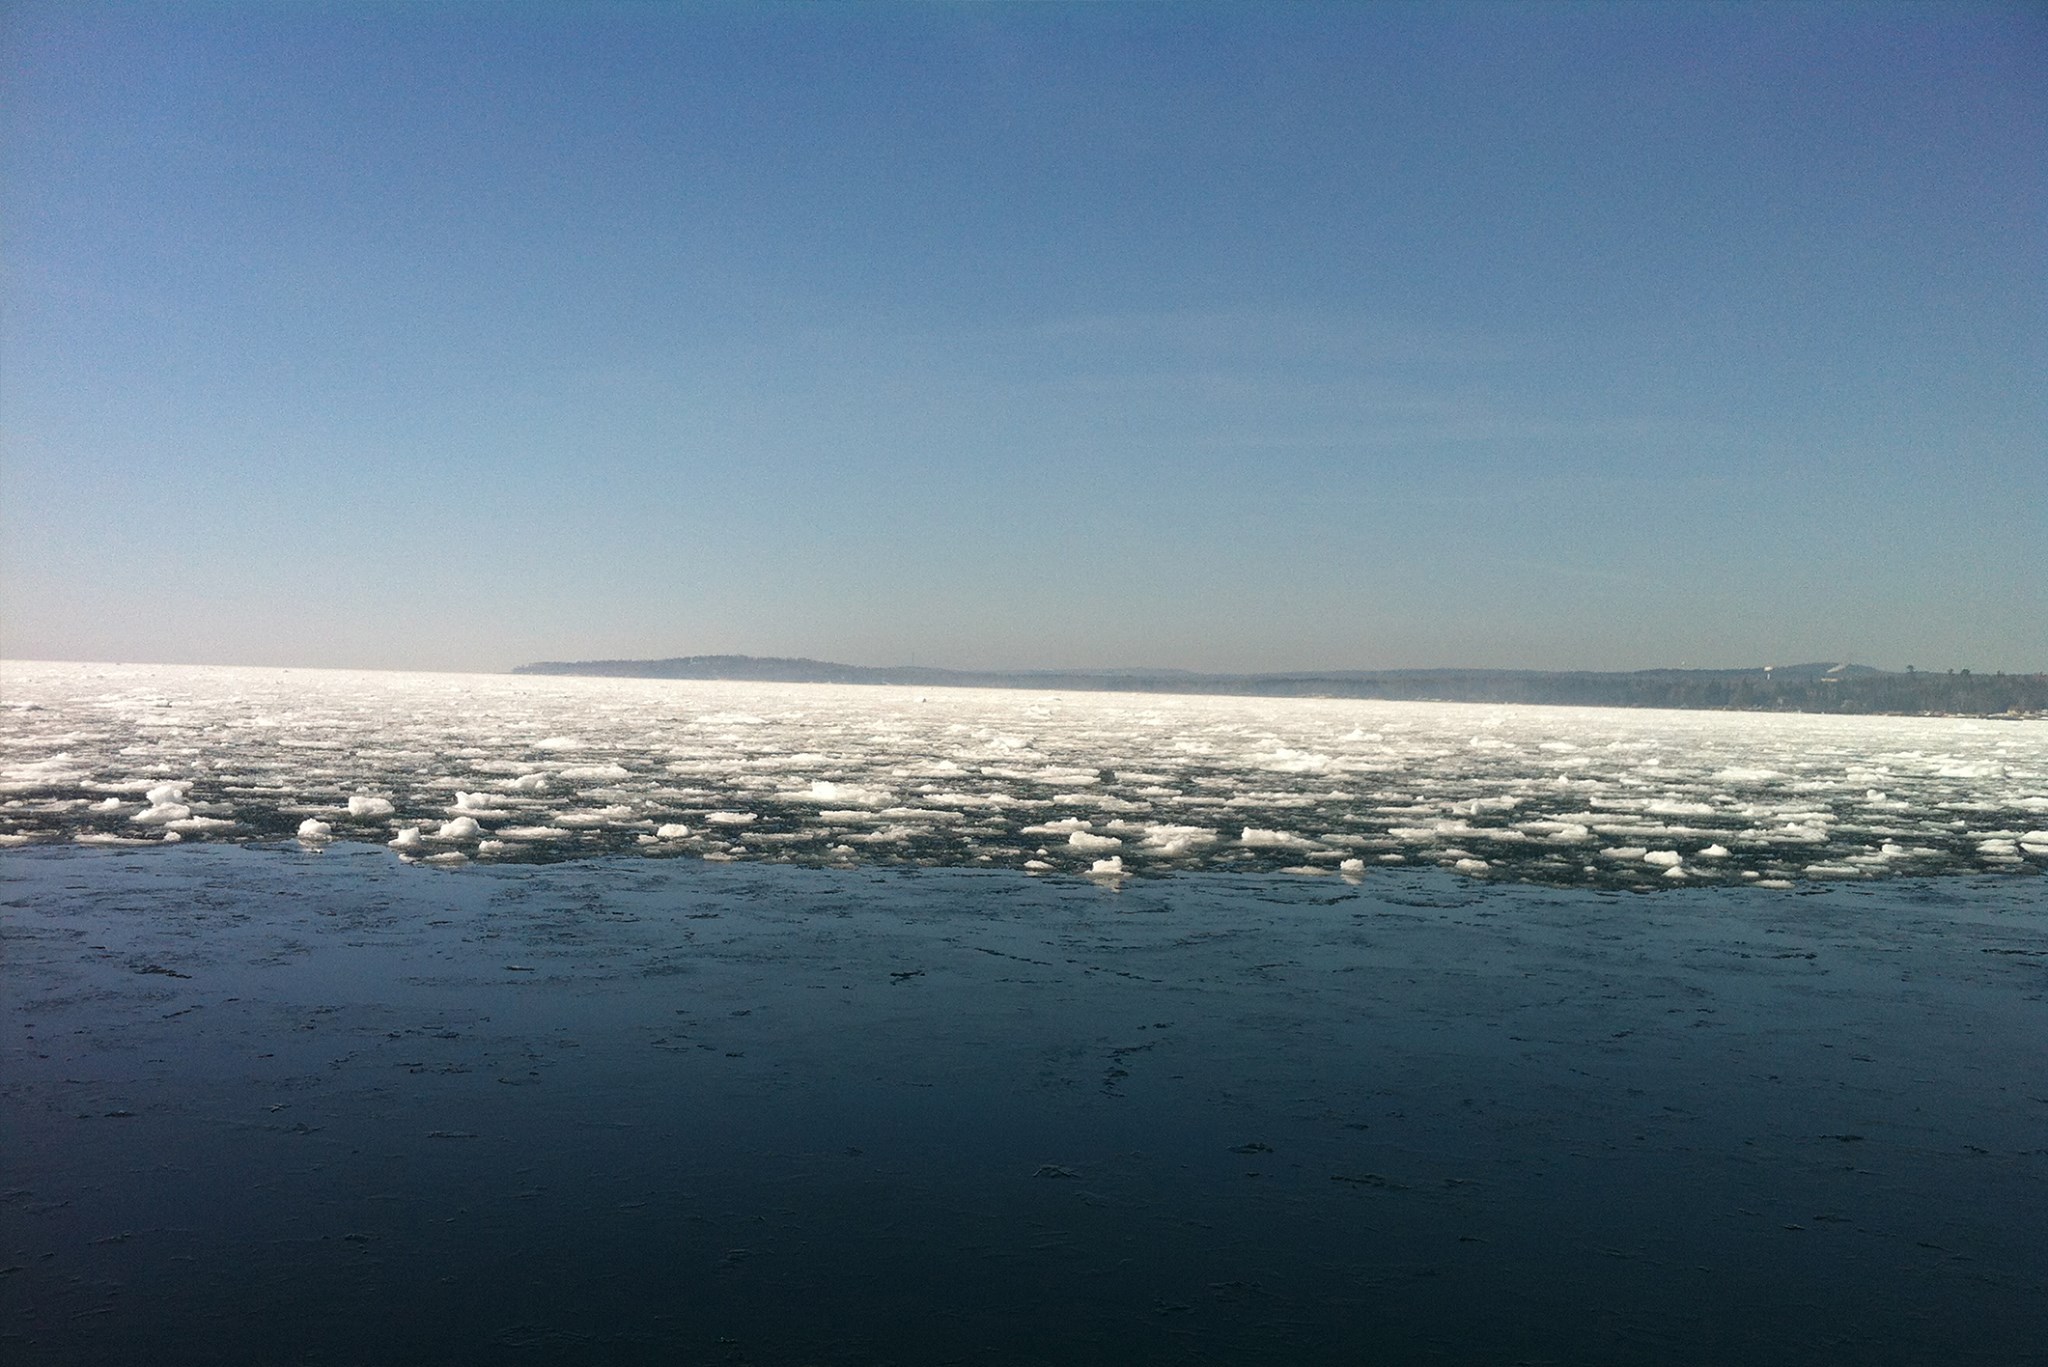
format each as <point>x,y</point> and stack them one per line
<point>1790,688</point>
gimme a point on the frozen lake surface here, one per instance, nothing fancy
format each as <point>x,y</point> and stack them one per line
<point>271,1105</point>
<point>453,768</point>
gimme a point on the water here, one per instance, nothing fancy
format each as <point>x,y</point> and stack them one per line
<point>267,1105</point>
<point>1385,1039</point>
<point>456,768</point>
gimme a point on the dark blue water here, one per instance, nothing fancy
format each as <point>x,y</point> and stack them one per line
<point>264,1106</point>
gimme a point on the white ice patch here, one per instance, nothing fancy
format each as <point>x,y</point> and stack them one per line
<point>362,806</point>
<point>1258,839</point>
<point>591,817</point>
<point>1176,842</point>
<point>1061,827</point>
<point>594,773</point>
<point>1085,842</point>
<point>200,825</point>
<point>823,792</point>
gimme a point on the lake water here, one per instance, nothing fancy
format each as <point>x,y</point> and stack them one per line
<point>270,1100</point>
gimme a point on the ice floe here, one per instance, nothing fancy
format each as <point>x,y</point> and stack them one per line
<point>551,768</point>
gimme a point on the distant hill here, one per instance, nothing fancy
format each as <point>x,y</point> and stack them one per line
<point>1841,688</point>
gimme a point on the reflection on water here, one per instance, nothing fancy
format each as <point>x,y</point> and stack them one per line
<point>265,1107</point>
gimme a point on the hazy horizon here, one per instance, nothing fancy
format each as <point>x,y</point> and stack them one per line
<point>1230,339</point>
<point>1140,668</point>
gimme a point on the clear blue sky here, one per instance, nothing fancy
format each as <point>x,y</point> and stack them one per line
<point>1217,336</point>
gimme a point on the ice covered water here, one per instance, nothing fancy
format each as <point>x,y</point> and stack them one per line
<point>446,769</point>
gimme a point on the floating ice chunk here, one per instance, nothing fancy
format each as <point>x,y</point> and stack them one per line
<point>161,814</point>
<point>1112,867</point>
<point>530,783</point>
<point>1038,866</point>
<point>461,828</point>
<point>594,773</point>
<point>112,804</point>
<point>314,829</point>
<point>1999,849</point>
<point>2034,841</point>
<point>672,831</point>
<point>1285,761</point>
<point>407,838</point>
<point>597,816</point>
<point>199,825</point>
<point>1471,866</point>
<point>1713,852</point>
<point>448,858</point>
<point>361,805</point>
<point>1676,808</point>
<point>1082,840</point>
<point>1060,827</point>
<point>1175,841</point>
<point>491,847</point>
<point>1669,859</point>
<point>533,833</point>
<point>1676,871</point>
<point>1352,866</point>
<point>992,800</point>
<point>164,794</point>
<point>474,802</point>
<point>1272,840</point>
<point>731,818</point>
<point>852,794</point>
<point>920,814</point>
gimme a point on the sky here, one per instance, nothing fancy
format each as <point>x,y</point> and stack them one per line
<point>1232,337</point>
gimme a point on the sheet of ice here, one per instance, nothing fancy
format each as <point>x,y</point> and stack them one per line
<point>556,768</point>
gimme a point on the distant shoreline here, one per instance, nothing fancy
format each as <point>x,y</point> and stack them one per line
<point>1814,688</point>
